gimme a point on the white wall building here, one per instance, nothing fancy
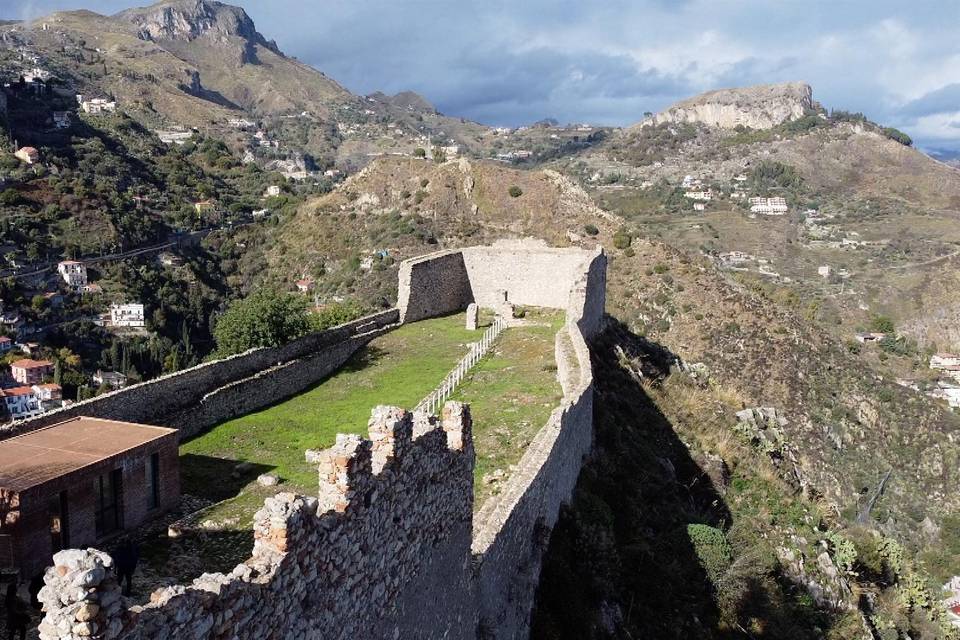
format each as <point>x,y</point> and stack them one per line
<point>97,105</point>
<point>74,273</point>
<point>944,360</point>
<point>768,206</point>
<point>21,402</point>
<point>127,315</point>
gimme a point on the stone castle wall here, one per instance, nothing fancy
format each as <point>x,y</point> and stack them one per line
<point>201,396</point>
<point>391,547</point>
<point>378,554</point>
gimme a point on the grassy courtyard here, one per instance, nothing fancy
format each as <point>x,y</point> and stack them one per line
<point>511,392</point>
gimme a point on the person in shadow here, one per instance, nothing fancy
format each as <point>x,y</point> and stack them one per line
<point>18,616</point>
<point>125,560</point>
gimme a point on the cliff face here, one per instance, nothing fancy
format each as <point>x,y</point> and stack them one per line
<point>758,107</point>
<point>187,20</point>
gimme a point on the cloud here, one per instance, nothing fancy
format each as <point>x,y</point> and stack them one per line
<point>607,61</point>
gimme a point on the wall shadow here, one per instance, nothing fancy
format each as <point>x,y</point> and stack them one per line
<point>620,563</point>
<point>217,478</point>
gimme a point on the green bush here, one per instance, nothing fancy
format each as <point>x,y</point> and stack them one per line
<point>882,324</point>
<point>622,239</point>
<point>419,152</point>
<point>591,230</point>
<point>265,318</point>
<point>712,549</point>
<point>897,136</point>
<point>515,191</point>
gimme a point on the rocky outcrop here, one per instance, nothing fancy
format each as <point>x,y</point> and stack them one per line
<point>759,107</point>
<point>188,20</point>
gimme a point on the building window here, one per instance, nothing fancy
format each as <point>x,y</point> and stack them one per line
<point>153,481</point>
<point>108,490</point>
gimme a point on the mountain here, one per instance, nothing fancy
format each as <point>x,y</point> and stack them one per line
<point>757,107</point>
<point>203,64</point>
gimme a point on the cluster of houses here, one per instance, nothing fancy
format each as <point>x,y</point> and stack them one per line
<point>96,106</point>
<point>28,390</point>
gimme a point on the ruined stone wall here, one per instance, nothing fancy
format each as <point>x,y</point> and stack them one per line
<point>203,395</point>
<point>512,529</point>
<point>382,552</point>
<point>433,285</point>
<point>391,547</point>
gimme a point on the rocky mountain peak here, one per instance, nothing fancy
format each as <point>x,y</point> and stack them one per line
<point>188,20</point>
<point>759,107</point>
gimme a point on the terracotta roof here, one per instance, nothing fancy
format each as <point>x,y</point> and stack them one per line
<point>52,386</point>
<point>30,150</point>
<point>42,455</point>
<point>28,363</point>
<point>5,339</point>
<point>16,391</point>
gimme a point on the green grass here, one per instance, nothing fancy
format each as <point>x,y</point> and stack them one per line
<point>511,393</point>
<point>399,368</point>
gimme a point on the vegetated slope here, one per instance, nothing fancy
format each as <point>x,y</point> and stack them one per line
<point>877,212</point>
<point>399,208</point>
<point>200,63</point>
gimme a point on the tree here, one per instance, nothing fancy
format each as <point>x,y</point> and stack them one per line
<point>266,318</point>
<point>882,324</point>
<point>515,191</point>
<point>439,155</point>
<point>419,152</point>
<point>897,136</point>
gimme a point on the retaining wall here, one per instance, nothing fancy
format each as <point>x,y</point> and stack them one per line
<point>208,393</point>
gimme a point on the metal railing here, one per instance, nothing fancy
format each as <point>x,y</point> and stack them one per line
<point>436,398</point>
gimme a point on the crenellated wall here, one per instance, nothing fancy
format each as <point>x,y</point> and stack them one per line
<point>202,396</point>
<point>379,553</point>
<point>391,547</point>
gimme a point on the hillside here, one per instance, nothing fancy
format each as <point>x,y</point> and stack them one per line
<point>201,64</point>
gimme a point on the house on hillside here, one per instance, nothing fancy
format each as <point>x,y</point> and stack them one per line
<point>80,482</point>
<point>27,371</point>
<point>61,119</point>
<point>699,206</point>
<point>776,206</point>
<point>204,206</point>
<point>305,285</point>
<point>49,395</point>
<point>272,191</point>
<point>127,315</point>
<point>97,106</point>
<point>870,336</point>
<point>699,195</point>
<point>6,343</point>
<point>28,154</point>
<point>21,402</point>
<point>113,379</point>
<point>74,273</point>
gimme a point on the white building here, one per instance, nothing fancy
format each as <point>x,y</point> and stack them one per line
<point>699,195</point>
<point>61,119</point>
<point>73,273</point>
<point>173,136</point>
<point>824,271</point>
<point>21,402</point>
<point>944,360</point>
<point>127,315</point>
<point>699,206</point>
<point>97,105</point>
<point>768,206</point>
<point>273,190</point>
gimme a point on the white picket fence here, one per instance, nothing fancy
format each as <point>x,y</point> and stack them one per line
<point>436,398</point>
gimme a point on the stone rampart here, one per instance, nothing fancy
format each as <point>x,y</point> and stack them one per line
<point>201,396</point>
<point>380,553</point>
<point>391,547</point>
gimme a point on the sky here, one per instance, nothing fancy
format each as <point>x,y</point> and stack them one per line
<point>608,61</point>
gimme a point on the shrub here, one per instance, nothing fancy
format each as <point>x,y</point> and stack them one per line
<point>265,318</point>
<point>660,268</point>
<point>712,549</point>
<point>622,239</point>
<point>897,136</point>
<point>882,324</point>
<point>591,230</point>
<point>419,152</point>
<point>515,191</point>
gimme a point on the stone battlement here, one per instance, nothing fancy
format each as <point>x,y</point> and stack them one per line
<point>390,524</point>
<point>390,547</point>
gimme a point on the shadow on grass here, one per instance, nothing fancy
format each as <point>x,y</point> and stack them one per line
<point>367,356</point>
<point>620,562</point>
<point>216,478</point>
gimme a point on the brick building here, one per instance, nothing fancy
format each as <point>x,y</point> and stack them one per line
<point>28,371</point>
<point>79,482</point>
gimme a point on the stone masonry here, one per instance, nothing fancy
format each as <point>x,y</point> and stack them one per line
<point>390,547</point>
